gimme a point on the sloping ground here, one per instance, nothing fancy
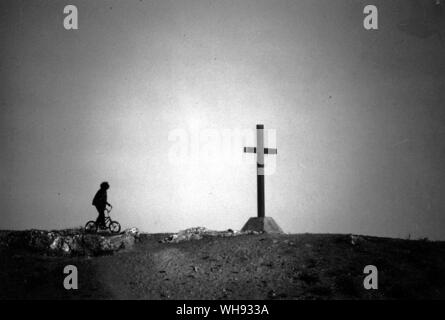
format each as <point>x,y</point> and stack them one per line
<point>259,266</point>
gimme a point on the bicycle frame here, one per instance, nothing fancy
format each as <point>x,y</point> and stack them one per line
<point>107,217</point>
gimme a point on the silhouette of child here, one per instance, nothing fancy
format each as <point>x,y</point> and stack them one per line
<point>100,202</point>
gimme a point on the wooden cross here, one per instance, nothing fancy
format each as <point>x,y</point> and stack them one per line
<point>260,151</point>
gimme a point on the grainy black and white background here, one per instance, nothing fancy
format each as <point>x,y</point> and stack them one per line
<point>359,115</point>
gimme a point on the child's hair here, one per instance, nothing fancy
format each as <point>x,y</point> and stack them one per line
<point>104,185</point>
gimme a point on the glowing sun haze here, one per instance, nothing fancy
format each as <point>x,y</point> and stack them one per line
<point>358,115</point>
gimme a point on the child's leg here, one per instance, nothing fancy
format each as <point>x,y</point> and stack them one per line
<point>100,221</point>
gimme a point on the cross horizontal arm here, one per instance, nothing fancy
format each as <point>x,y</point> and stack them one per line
<point>266,150</point>
<point>250,149</point>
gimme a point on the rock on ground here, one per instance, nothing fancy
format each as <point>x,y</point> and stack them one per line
<point>198,233</point>
<point>68,242</point>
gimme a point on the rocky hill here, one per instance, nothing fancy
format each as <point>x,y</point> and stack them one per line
<point>227,265</point>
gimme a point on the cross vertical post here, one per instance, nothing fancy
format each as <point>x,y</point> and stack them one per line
<point>260,170</point>
<point>261,223</point>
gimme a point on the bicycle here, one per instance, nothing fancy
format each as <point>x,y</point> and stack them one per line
<point>112,225</point>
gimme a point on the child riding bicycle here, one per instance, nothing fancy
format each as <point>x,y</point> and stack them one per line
<point>100,202</point>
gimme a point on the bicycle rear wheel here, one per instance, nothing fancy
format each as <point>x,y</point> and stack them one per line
<point>115,227</point>
<point>91,226</point>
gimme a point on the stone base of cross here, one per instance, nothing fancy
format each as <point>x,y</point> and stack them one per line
<point>261,223</point>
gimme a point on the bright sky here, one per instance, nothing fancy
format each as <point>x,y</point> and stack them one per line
<point>358,115</point>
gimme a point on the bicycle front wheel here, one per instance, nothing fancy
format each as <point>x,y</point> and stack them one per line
<point>115,227</point>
